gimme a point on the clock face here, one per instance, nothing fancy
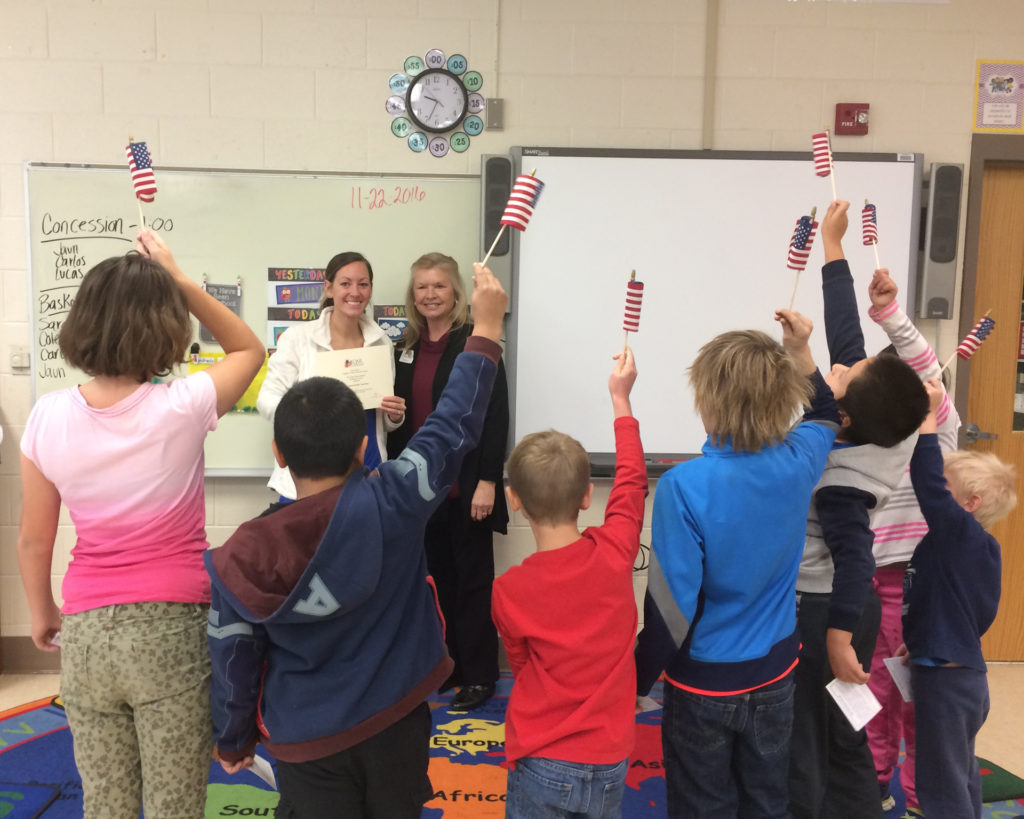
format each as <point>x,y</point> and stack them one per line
<point>436,100</point>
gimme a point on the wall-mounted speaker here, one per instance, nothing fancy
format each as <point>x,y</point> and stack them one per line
<point>937,277</point>
<point>495,187</point>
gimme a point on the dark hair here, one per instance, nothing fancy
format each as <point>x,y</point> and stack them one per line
<point>339,261</point>
<point>129,317</point>
<point>318,427</point>
<point>885,403</point>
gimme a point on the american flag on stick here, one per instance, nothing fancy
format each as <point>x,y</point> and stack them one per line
<point>800,248</point>
<point>521,202</point>
<point>869,223</point>
<point>973,340</point>
<point>822,153</point>
<point>800,244</point>
<point>822,150</point>
<point>140,165</point>
<point>634,298</point>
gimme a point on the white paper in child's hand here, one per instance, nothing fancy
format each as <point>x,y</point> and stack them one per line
<point>262,769</point>
<point>901,676</point>
<point>55,639</point>
<point>856,702</point>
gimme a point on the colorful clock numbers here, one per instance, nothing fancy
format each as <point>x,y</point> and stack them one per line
<point>435,103</point>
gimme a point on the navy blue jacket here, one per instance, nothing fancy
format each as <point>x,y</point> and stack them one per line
<point>951,587</point>
<point>324,627</point>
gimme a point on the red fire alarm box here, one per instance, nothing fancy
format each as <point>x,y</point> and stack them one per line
<point>852,118</point>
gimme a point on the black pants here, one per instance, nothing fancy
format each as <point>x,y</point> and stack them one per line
<point>460,557</point>
<point>383,777</point>
<point>831,771</point>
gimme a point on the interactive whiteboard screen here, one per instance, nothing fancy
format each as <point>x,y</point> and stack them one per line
<point>708,234</point>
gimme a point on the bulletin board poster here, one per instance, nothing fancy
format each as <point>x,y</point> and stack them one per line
<point>293,297</point>
<point>999,97</point>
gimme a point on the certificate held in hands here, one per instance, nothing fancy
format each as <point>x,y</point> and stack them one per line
<point>365,370</point>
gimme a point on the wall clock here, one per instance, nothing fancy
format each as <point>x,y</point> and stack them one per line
<point>435,103</point>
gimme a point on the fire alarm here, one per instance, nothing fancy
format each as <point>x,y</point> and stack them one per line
<point>852,118</point>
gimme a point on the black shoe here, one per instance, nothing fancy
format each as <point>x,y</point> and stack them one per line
<point>471,696</point>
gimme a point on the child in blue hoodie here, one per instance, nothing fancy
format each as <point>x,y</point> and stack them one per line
<point>324,629</point>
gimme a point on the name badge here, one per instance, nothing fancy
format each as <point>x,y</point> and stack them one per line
<point>406,357</point>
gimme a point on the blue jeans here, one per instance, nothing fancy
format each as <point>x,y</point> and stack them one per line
<point>728,756</point>
<point>541,788</point>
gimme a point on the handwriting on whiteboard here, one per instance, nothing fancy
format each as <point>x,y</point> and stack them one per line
<point>377,198</point>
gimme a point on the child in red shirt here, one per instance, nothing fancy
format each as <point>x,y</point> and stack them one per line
<point>567,617</point>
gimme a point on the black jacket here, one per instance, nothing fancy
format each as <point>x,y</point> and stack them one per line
<point>487,461</point>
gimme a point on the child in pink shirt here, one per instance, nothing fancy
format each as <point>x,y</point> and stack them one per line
<point>125,456</point>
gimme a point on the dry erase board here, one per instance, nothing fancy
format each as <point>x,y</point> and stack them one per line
<point>234,227</point>
<point>707,233</point>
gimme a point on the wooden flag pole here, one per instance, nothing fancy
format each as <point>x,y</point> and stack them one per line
<point>831,166</point>
<point>497,238</point>
<point>796,281</point>
<point>950,359</point>
<point>142,216</point>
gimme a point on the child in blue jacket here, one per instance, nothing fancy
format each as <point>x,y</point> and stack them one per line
<point>951,594</point>
<point>324,629</point>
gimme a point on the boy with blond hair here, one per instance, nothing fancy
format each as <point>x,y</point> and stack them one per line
<point>727,535</point>
<point>951,594</point>
<point>567,618</point>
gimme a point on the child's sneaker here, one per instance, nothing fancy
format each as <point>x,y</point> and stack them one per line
<point>888,800</point>
<point>913,813</point>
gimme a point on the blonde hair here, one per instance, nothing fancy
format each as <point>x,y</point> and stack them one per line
<point>460,310</point>
<point>984,475</point>
<point>749,388</point>
<point>550,472</point>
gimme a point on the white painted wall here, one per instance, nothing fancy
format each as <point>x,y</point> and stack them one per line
<point>301,84</point>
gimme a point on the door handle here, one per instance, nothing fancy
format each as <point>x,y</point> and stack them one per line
<point>973,434</point>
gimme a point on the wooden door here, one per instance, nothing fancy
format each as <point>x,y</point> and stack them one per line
<point>998,286</point>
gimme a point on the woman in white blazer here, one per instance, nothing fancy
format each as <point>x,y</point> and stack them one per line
<point>342,325</point>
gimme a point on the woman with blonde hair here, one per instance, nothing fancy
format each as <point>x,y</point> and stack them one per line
<point>459,537</point>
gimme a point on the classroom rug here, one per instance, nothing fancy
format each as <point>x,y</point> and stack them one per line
<point>467,750</point>
<point>38,779</point>
<point>1003,796</point>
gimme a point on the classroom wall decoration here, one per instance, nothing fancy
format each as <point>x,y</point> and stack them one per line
<point>435,103</point>
<point>708,233</point>
<point>260,239</point>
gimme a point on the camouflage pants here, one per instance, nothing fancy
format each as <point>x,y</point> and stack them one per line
<point>135,680</point>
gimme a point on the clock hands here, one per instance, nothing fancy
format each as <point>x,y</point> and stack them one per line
<point>436,102</point>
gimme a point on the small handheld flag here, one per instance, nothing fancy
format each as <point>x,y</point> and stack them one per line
<point>800,247</point>
<point>521,202</point>
<point>973,340</point>
<point>869,225</point>
<point>822,150</point>
<point>800,244</point>
<point>634,298</point>
<point>140,166</point>
<point>822,153</point>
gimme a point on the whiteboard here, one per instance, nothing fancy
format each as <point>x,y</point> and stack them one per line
<point>708,234</point>
<point>231,224</point>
